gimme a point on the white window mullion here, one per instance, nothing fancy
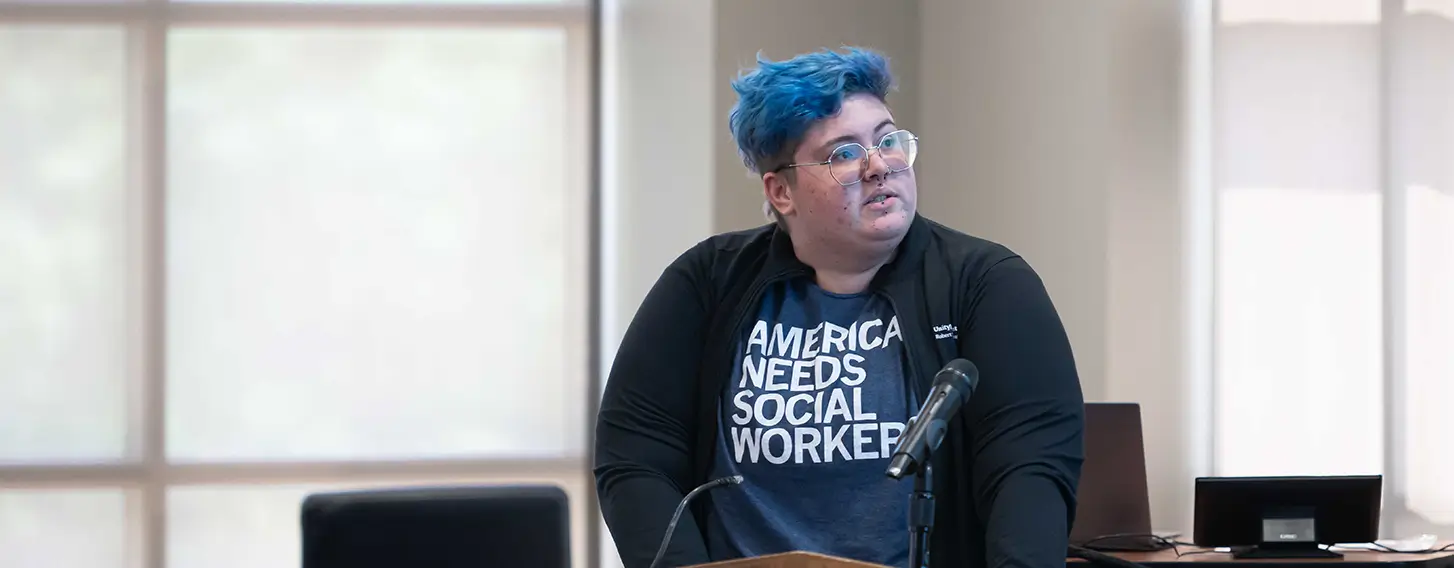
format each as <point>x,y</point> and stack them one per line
<point>1393,269</point>
<point>152,70</point>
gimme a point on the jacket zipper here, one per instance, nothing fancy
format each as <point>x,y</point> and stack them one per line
<point>746,304</point>
<point>910,358</point>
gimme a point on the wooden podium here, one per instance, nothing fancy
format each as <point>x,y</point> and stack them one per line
<point>790,560</point>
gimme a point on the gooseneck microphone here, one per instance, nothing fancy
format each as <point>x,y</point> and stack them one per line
<point>952,387</point>
<point>671,527</point>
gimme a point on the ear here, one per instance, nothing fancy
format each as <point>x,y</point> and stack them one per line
<point>778,193</point>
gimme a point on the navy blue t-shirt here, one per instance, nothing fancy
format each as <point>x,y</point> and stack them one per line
<point>816,403</point>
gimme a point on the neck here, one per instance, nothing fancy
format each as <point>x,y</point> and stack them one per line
<point>845,282</point>
<point>842,274</point>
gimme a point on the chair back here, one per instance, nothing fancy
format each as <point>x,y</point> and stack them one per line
<point>438,527</point>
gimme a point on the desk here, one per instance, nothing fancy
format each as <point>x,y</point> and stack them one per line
<point>1351,559</point>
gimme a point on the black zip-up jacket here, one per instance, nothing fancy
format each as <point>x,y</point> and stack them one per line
<point>1007,471</point>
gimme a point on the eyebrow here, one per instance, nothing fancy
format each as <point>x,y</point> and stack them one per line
<point>831,144</point>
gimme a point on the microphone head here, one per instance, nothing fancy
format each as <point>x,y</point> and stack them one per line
<point>960,374</point>
<point>734,480</point>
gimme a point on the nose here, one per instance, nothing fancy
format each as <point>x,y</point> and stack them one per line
<point>874,166</point>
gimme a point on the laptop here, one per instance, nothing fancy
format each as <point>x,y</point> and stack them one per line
<point>1113,498</point>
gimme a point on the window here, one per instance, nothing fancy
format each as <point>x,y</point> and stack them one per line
<point>1333,251</point>
<point>253,251</point>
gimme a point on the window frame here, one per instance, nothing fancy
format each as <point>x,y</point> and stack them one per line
<point>146,473</point>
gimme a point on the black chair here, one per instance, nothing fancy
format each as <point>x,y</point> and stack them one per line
<point>438,527</point>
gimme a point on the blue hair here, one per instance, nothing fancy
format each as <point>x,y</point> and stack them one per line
<point>778,101</point>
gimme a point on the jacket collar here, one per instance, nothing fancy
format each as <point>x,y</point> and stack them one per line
<point>782,259</point>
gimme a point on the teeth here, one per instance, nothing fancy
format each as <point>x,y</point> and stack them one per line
<point>880,198</point>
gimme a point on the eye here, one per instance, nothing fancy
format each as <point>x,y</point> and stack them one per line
<point>890,142</point>
<point>847,153</point>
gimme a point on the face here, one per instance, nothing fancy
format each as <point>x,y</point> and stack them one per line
<point>872,213</point>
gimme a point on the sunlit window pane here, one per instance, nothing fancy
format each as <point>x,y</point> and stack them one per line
<point>1298,11</point>
<point>1299,328</point>
<point>1441,8</point>
<point>65,305</point>
<point>367,245</point>
<point>249,526</point>
<point>65,529</point>
<point>414,2</point>
<point>1429,353</point>
<point>1422,135</point>
<point>63,2</point>
<point>1299,366</point>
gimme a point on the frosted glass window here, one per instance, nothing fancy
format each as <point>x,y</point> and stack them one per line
<point>1299,330</point>
<point>65,528</point>
<point>369,245</point>
<point>1429,353</point>
<point>1298,11</point>
<point>65,310</point>
<point>64,2</point>
<point>413,2</point>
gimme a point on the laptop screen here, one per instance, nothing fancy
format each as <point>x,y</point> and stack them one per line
<point>1113,497</point>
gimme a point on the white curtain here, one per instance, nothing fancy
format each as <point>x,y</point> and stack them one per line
<point>1333,166</point>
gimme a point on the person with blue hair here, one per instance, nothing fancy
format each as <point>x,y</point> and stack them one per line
<point>794,354</point>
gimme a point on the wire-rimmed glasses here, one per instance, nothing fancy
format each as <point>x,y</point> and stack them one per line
<point>848,162</point>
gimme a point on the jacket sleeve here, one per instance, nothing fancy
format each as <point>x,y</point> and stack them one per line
<point>647,422</point>
<point>1026,419</point>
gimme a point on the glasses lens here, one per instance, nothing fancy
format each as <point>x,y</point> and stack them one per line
<point>898,150</point>
<point>846,163</point>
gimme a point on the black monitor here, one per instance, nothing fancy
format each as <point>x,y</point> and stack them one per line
<point>1286,517</point>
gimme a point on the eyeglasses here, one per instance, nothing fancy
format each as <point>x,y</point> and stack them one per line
<point>848,162</point>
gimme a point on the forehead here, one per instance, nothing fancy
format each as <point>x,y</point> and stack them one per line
<point>860,119</point>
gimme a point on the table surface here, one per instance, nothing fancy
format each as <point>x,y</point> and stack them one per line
<point>1194,554</point>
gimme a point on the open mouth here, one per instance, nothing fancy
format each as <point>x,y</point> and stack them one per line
<point>880,198</point>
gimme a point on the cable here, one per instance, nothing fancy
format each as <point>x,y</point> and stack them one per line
<point>1094,552</point>
<point>1100,558</point>
<point>1149,543</point>
<point>1389,549</point>
<point>1145,542</point>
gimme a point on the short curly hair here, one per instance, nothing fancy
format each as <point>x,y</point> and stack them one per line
<point>778,101</point>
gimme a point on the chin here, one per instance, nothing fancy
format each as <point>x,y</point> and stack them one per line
<point>892,224</point>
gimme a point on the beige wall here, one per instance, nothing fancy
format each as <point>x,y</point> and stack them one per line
<point>1062,128</point>
<point>657,144</point>
<point>779,30</point>
<point>1015,146</point>
<point>1146,292</point>
<point>657,154</point>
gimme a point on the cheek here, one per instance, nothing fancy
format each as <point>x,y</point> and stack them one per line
<point>827,203</point>
<point>844,214</point>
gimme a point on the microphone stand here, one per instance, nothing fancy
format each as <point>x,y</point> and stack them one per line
<point>952,386</point>
<point>921,516</point>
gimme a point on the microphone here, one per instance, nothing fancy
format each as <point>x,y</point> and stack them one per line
<point>672,526</point>
<point>952,387</point>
